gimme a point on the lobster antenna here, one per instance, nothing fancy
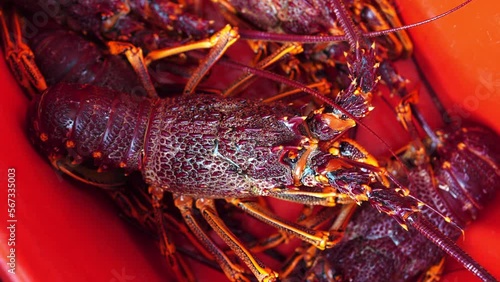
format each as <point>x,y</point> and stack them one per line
<point>406,192</point>
<point>210,263</point>
<point>448,246</point>
<point>398,184</point>
<point>266,36</point>
<point>444,217</point>
<point>304,88</point>
<point>396,29</point>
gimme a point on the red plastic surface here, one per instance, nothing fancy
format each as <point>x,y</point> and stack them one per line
<point>460,55</point>
<point>66,232</point>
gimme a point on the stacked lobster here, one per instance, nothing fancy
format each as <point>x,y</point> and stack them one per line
<point>98,117</point>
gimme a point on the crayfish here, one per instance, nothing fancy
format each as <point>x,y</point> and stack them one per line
<point>204,146</point>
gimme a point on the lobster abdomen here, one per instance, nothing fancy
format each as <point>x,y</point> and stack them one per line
<point>88,122</point>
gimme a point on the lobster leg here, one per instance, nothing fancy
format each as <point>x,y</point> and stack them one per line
<point>175,225</point>
<point>207,209</point>
<point>306,219</point>
<point>434,273</point>
<point>226,32</point>
<point>167,247</point>
<point>233,271</point>
<point>307,254</point>
<point>219,42</point>
<point>109,180</point>
<point>20,57</point>
<point>136,204</point>
<point>380,16</point>
<point>136,59</point>
<point>320,239</point>
<point>288,48</point>
<point>302,255</point>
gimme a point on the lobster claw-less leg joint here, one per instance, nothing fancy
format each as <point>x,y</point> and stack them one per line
<point>20,58</point>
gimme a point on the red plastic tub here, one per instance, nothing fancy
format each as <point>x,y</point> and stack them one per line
<point>67,232</point>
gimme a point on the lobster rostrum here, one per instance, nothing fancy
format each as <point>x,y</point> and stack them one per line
<point>290,162</point>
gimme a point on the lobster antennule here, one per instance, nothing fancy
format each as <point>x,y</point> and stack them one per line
<point>268,36</point>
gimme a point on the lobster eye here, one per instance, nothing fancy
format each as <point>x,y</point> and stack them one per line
<point>292,155</point>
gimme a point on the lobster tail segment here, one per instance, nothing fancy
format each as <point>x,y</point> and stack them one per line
<point>88,122</point>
